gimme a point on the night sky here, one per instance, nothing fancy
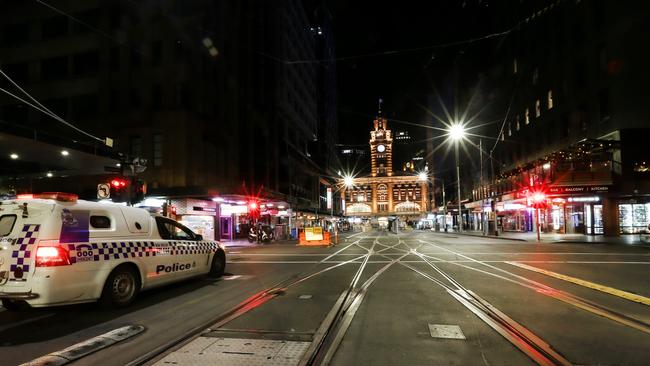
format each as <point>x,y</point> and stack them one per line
<point>402,79</point>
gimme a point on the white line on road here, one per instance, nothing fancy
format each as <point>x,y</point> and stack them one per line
<point>436,261</point>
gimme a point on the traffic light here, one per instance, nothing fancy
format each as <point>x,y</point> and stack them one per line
<point>253,209</point>
<point>537,200</point>
<point>120,189</point>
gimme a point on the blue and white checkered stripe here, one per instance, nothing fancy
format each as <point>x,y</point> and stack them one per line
<point>105,251</point>
<point>22,255</point>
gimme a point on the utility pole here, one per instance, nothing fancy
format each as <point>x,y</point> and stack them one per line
<point>483,221</point>
<point>460,213</point>
<point>444,205</point>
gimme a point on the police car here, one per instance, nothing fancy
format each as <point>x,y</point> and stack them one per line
<point>56,250</point>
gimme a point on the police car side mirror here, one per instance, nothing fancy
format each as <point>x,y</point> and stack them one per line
<point>198,237</point>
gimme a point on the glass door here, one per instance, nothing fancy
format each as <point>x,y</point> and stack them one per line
<point>589,223</point>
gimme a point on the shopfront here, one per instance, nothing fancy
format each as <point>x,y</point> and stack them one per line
<point>633,216</point>
<point>200,216</point>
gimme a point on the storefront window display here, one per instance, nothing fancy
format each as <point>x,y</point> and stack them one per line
<point>633,218</point>
<point>202,225</point>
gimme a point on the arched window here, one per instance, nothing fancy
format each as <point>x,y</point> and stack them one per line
<point>407,206</point>
<point>357,208</point>
<point>382,193</point>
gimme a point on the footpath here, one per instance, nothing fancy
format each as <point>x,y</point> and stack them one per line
<point>631,239</point>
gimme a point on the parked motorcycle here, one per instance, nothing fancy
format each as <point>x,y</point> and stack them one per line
<point>261,234</point>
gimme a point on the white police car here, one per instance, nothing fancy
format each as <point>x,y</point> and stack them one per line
<point>55,250</point>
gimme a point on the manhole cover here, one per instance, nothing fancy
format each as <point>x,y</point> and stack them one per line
<point>446,331</point>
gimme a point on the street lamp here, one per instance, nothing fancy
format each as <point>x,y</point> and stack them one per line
<point>457,133</point>
<point>348,181</point>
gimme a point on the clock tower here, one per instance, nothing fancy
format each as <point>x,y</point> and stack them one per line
<point>381,148</point>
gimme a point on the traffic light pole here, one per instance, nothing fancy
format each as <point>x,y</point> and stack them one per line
<point>537,224</point>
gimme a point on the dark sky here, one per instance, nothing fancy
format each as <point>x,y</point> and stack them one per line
<point>402,79</point>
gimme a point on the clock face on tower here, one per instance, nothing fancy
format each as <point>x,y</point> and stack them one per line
<point>381,148</point>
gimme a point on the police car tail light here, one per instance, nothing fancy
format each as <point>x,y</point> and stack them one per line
<point>52,256</point>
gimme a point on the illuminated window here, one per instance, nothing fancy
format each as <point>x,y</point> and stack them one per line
<point>517,123</point>
<point>509,129</point>
<point>514,66</point>
<point>538,108</point>
<point>549,99</point>
<point>527,116</point>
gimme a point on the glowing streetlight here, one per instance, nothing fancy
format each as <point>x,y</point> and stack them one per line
<point>456,131</point>
<point>348,181</point>
<point>422,176</point>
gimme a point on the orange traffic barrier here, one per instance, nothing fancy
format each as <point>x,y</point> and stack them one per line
<point>302,240</point>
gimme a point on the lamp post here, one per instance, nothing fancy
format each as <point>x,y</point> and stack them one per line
<point>444,202</point>
<point>457,133</point>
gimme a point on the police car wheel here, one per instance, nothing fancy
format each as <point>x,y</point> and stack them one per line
<point>120,288</point>
<point>218,265</point>
<point>13,305</point>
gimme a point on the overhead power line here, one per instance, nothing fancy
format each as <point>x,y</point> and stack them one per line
<point>44,109</point>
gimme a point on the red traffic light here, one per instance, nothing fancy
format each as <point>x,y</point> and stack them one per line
<point>253,205</point>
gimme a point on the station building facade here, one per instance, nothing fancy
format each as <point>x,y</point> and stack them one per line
<point>383,192</point>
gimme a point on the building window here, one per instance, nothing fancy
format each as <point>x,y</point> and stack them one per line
<point>136,146</point>
<point>157,149</point>
<point>54,27</point>
<point>527,116</point>
<point>18,72</point>
<point>603,104</point>
<point>549,99</point>
<point>538,108</point>
<point>114,59</point>
<point>135,98</point>
<point>156,96</point>
<point>85,63</point>
<point>54,68</point>
<point>517,126</point>
<point>84,106</point>
<point>156,53</point>
<point>136,58</point>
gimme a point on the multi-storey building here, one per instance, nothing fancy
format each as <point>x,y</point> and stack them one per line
<point>383,192</point>
<point>572,76</point>
<point>215,95</point>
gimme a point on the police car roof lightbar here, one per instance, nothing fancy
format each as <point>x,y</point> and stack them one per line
<point>57,196</point>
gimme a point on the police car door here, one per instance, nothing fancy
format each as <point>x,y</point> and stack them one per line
<point>185,257</point>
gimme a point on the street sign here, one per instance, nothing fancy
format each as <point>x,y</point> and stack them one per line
<point>103,191</point>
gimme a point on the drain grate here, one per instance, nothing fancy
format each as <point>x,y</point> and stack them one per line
<point>446,331</point>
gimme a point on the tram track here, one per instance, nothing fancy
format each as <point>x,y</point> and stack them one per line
<point>350,297</point>
<point>543,289</point>
<point>328,337</point>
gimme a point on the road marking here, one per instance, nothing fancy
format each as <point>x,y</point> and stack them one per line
<point>594,286</point>
<point>435,261</point>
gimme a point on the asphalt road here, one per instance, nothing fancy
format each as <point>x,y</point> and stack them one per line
<point>587,303</point>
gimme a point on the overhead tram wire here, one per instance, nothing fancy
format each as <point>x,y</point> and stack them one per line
<point>45,109</point>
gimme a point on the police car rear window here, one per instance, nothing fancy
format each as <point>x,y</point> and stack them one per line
<point>100,222</point>
<point>7,224</point>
